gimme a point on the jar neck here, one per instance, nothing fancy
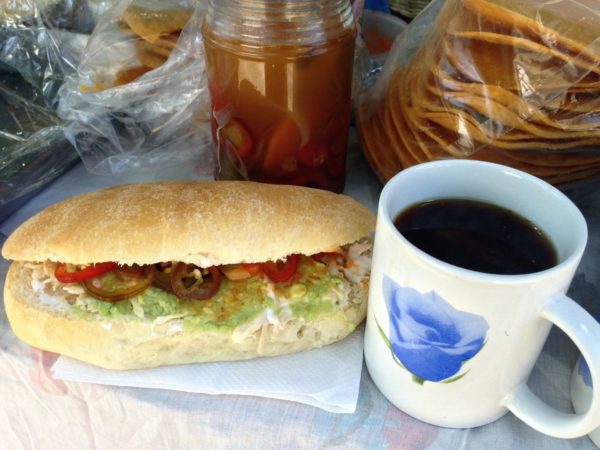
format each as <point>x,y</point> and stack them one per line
<point>258,23</point>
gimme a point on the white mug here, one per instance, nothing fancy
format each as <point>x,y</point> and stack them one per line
<point>454,347</point>
<point>582,392</point>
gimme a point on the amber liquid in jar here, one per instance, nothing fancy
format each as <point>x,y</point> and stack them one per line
<point>281,111</point>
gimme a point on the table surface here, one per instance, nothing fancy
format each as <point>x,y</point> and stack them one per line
<point>38,411</point>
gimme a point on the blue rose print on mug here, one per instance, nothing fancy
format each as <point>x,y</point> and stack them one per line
<point>428,337</point>
<point>584,372</point>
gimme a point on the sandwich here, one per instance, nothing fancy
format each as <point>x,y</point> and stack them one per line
<point>152,274</point>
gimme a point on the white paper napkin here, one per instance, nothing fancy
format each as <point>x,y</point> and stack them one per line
<point>328,378</point>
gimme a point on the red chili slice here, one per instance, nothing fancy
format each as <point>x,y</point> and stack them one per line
<point>64,276</point>
<point>188,284</point>
<point>279,270</point>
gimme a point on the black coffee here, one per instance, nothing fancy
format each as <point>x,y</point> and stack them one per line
<point>477,236</point>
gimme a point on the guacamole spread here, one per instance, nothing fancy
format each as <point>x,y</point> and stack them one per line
<point>311,292</point>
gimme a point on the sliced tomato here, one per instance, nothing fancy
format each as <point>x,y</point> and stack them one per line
<point>161,275</point>
<point>238,135</point>
<point>279,270</point>
<point>64,275</point>
<point>118,284</point>
<point>194,283</point>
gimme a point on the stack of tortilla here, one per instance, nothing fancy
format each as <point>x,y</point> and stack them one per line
<point>515,82</point>
<point>155,32</point>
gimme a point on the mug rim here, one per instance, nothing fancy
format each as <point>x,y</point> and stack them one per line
<point>571,259</point>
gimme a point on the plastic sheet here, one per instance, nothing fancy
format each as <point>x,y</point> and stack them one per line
<point>139,100</point>
<point>35,57</point>
<point>509,81</point>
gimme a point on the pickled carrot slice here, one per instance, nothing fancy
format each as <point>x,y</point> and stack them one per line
<point>282,142</point>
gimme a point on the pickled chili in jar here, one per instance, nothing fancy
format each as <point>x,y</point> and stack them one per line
<point>280,76</point>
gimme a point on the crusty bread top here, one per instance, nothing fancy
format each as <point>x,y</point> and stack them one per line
<point>203,222</point>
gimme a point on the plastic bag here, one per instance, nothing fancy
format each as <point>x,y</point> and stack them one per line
<point>514,82</point>
<point>35,57</point>
<point>139,101</point>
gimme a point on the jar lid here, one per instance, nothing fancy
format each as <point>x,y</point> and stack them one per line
<point>260,24</point>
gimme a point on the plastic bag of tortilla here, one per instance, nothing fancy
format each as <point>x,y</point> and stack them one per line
<point>139,100</point>
<point>515,82</point>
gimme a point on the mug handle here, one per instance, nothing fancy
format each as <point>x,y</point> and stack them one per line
<point>584,331</point>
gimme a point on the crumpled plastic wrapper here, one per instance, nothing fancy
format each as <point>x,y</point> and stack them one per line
<point>35,58</point>
<point>513,82</point>
<point>139,100</point>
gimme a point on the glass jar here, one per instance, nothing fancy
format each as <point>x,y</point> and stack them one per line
<point>280,76</point>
